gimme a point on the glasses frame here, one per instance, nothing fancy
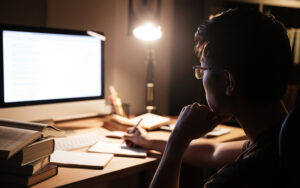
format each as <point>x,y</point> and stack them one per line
<point>199,71</point>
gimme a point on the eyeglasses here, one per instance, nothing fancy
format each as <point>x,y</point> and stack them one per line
<point>199,71</point>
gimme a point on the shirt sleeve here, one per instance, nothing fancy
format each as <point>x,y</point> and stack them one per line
<point>246,145</point>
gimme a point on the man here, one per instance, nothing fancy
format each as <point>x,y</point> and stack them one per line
<point>245,60</point>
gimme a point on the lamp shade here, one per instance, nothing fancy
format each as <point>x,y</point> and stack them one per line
<point>147,32</point>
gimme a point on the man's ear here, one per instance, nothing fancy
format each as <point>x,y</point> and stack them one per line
<point>230,82</point>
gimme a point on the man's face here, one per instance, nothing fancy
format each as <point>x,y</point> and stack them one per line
<point>213,82</point>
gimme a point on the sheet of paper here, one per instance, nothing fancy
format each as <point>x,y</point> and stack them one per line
<point>169,127</point>
<point>80,159</point>
<point>215,132</point>
<point>118,149</point>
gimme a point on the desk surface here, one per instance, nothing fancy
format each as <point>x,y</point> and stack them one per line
<point>118,166</point>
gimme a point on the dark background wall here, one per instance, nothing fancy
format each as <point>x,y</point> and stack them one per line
<point>29,12</point>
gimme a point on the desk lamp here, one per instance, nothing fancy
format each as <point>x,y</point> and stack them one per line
<point>149,32</point>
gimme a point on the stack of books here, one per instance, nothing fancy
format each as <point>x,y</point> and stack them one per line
<point>25,149</point>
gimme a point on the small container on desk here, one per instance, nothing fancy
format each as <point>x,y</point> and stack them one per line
<point>116,109</point>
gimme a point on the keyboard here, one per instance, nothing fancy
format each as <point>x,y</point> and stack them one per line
<point>77,141</point>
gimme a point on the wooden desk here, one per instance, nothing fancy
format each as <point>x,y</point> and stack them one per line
<point>118,166</point>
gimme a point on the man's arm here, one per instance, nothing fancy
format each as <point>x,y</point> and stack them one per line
<point>193,122</point>
<point>206,153</point>
<point>200,152</point>
<point>168,171</point>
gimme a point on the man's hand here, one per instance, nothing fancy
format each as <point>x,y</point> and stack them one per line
<point>195,121</point>
<point>140,137</point>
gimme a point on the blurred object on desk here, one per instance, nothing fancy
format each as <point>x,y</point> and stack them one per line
<point>126,109</point>
<point>150,121</point>
<point>116,102</point>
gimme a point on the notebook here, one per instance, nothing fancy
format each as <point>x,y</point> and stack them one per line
<point>118,149</point>
<point>80,159</point>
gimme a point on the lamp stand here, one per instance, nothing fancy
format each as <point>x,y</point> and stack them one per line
<point>150,102</point>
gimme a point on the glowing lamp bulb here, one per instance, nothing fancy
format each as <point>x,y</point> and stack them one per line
<point>147,32</point>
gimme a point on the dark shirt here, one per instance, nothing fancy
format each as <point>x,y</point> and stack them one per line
<point>257,166</point>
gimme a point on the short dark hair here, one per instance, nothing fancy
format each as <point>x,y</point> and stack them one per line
<point>254,46</point>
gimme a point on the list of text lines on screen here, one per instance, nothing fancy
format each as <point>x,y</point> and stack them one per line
<point>46,66</point>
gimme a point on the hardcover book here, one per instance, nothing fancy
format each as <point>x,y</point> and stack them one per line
<point>26,170</point>
<point>43,174</point>
<point>14,135</point>
<point>31,152</point>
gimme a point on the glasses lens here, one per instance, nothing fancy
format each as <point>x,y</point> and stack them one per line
<point>198,73</point>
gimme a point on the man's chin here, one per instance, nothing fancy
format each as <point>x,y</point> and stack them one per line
<point>216,110</point>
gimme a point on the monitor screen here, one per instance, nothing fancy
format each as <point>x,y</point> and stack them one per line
<point>43,65</point>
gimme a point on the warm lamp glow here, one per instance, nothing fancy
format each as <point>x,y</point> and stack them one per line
<point>147,32</point>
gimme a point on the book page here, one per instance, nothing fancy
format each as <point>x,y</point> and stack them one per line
<point>80,159</point>
<point>150,121</point>
<point>118,149</point>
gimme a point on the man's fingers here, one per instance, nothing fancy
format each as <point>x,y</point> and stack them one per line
<point>128,143</point>
<point>127,137</point>
<point>129,130</point>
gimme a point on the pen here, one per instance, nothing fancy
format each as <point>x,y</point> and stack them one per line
<point>134,128</point>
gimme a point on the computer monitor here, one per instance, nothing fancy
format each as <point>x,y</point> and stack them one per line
<point>47,65</point>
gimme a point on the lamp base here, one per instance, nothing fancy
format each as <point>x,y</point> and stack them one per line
<point>150,109</point>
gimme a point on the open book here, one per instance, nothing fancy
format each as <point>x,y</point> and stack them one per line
<point>150,121</point>
<point>14,135</point>
<point>45,129</point>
